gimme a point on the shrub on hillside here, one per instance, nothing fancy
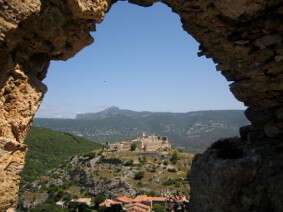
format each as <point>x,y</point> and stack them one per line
<point>133,147</point>
<point>113,208</point>
<point>168,182</point>
<point>176,182</point>
<point>129,163</point>
<point>90,154</point>
<point>139,175</point>
<point>172,170</point>
<point>158,208</point>
<point>142,160</point>
<point>152,194</point>
<point>98,199</point>
<point>174,158</point>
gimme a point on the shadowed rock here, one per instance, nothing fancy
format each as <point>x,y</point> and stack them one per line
<point>243,37</point>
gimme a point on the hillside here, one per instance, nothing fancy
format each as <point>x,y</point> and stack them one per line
<point>192,131</point>
<point>47,149</point>
<point>112,174</point>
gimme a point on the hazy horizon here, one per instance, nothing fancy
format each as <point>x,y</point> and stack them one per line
<point>91,112</point>
<point>143,63</point>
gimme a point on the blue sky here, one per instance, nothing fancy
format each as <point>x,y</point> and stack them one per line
<point>141,60</point>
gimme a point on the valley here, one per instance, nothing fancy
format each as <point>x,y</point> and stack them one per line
<point>158,171</point>
<point>192,131</point>
<point>117,154</point>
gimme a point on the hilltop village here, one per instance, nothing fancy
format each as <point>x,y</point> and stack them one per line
<point>143,143</point>
<point>138,175</point>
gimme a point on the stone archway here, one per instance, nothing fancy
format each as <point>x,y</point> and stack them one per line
<point>243,37</point>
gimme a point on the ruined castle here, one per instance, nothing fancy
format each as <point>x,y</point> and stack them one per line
<point>144,142</point>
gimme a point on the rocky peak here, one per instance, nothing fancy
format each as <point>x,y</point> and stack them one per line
<point>112,109</point>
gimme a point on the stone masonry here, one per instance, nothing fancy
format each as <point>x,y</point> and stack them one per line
<point>143,143</point>
<point>243,37</point>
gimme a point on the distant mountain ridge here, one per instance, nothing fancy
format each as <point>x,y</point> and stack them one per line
<point>193,131</point>
<point>116,111</point>
<point>112,111</point>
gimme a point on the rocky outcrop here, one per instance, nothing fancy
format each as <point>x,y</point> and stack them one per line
<point>235,176</point>
<point>112,174</point>
<point>32,32</point>
<point>243,37</point>
<point>21,94</point>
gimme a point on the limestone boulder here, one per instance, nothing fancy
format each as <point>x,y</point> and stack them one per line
<point>234,176</point>
<point>89,9</point>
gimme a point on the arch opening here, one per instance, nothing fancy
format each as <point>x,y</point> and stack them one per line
<point>142,65</point>
<point>138,57</point>
<point>244,38</point>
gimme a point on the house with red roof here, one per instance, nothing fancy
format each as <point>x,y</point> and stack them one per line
<point>124,200</point>
<point>144,199</point>
<point>137,207</point>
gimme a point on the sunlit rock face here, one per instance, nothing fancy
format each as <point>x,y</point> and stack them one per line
<point>243,37</point>
<point>33,32</point>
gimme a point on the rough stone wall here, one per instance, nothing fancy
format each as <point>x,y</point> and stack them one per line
<point>233,176</point>
<point>245,40</point>
<point>243,37</point>
<point>149,143</point>
<point>33,32</point>
<point>152,143</point>
<point>20,97</point>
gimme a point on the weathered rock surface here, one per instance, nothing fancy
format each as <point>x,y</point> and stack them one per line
<point>235,176</point>
<point>32,32</point>
<point>112,174</point>
<point>20,97</point>
<point>243,37</point>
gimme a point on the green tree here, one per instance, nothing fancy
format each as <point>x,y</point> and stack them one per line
<point>142,160</point>
<point>78,208</point>
<point>152,194</point>
<point>129,163</point>
<point>133,147</point>
<point>158,208</point>
<point>113,208</point>
<point>174,158</point>
<point>98,199</point>
<point>172,170</point>
<point>139,175</point>
<point>168,182</point>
